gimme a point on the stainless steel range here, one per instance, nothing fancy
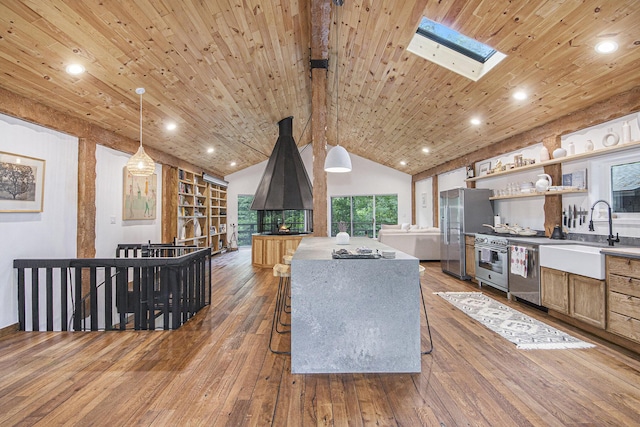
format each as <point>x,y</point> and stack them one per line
<point>492,261</point>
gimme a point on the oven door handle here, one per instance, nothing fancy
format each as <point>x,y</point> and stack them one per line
<point>500,251</point>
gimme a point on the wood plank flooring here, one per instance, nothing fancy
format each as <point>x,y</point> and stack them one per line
<point>217,371</point>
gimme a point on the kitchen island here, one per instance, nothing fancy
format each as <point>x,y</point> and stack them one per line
<point>353,315</point>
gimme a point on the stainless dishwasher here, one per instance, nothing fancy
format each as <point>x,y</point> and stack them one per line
<point>526,288</point>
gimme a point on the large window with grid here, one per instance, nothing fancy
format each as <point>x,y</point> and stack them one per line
<point>363,215</point>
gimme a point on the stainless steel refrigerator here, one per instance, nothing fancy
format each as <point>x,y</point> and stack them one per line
<point>462,210</point>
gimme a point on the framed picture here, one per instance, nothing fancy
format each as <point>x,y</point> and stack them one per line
<point>139,196</point>
<point>21,183</point>
<point>212,230</point>
<point>223,228</point>
<point>483,169</point>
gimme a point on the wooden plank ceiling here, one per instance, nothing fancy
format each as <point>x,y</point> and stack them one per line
<point>227,71</point>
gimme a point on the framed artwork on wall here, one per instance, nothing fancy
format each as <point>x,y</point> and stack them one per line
<point>139,196</point>
<point>484,168</point>
<point>21,183</point>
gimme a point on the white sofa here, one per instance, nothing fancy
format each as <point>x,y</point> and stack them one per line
<point>422,243</point>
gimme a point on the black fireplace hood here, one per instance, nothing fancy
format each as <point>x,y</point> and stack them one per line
<point>285,183</point>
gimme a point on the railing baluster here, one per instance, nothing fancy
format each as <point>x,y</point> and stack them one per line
<point>64,295</point>
<point>22,304</point>
<point>122,298</point>
<point>77,312</point>
<point>35,299</point>
<point>93,298</point>
<point>49,290</point>
<point>108,299</point>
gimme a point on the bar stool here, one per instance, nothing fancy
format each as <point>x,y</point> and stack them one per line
<point>422,270</point>
<point>283,272</point>
<point>286,260</point>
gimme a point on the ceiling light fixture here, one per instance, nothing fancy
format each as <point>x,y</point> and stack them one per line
<point>520,95</point>
<point>210,150</point>
<point>337,160</point>
<point>475,121</point>
<point>140,164</point>
<point>171,126</point>
<point>233,164</point>
<point>606,46</point>
<point>75,69</point>
<point>403,163</point>
<point>425,150</point>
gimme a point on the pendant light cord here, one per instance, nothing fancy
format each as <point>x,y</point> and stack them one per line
<point>338,3</point>
<point>140,91</point>
<point>140,120</point>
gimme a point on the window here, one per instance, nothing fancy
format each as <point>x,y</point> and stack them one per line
<point>625,187</point>
<point>453,50</point>
<point>247,220</point>
<point>363,215</point>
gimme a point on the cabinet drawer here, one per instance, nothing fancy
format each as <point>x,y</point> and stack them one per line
<point>624,326</point>
<point>623,266</point>
<point>624,285</point>
<point>624,304</point>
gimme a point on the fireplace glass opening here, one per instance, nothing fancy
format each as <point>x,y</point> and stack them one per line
<point>285,222</point>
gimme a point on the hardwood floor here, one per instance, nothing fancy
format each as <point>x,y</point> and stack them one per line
<point>217,371</point>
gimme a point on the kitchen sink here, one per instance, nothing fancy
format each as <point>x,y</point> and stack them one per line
<point>577,259</point>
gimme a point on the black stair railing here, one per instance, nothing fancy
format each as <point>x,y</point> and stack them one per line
<point>160,281</point>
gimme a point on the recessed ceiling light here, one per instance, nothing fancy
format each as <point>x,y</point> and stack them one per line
<point>233,164</point>
<point>171,126</point>
<point>606,46</point>
<point>475,121</point>
<point>425,150</point>
<point>403,163</point>
<point>520,95</point>
<point>75,69</point>
<point>210,150</point>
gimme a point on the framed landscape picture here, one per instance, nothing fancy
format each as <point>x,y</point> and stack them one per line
<point>21,183</point>
<point>139,196</point>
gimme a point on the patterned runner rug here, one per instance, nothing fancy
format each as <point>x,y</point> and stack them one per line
<point>527,333</point>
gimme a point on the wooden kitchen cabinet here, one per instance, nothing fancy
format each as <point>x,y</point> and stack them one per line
<point>470,257</point>
<point>554,289</point>
<point>623,280</point>
<point>580,297</point>
<point>587,300</point>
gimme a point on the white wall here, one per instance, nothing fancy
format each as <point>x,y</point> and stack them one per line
<point>110,228</point>
<point>366,178</point>
<point>53,232</point>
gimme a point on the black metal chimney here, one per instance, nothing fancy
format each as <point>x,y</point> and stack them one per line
<point>285,184</point>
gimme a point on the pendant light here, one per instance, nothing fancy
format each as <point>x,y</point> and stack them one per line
<point>140,164</point>
<point>337,160</point>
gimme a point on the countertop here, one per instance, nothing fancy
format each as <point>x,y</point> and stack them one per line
<point>630,252</point>
<point>320,248</point>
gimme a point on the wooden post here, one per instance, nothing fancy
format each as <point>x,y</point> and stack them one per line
<point>320,22</point>
<point>552,203</point>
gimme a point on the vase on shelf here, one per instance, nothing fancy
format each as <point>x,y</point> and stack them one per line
<point>611,138</point>
<point>626,132</point>
<point>544,154</point>
<point>589,146</point>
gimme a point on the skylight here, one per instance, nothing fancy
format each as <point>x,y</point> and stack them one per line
<point>453,50</point>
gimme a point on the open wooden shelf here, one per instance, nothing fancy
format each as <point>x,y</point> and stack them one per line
<point>566,159</point>
<point>537,194</point>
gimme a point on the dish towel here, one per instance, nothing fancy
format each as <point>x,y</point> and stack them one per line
<point>519,261</point>
<point>485,255</point>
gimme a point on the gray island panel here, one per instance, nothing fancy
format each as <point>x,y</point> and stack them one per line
<point>353,315</point>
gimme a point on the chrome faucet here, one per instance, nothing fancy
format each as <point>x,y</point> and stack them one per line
<point>610,238</point>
